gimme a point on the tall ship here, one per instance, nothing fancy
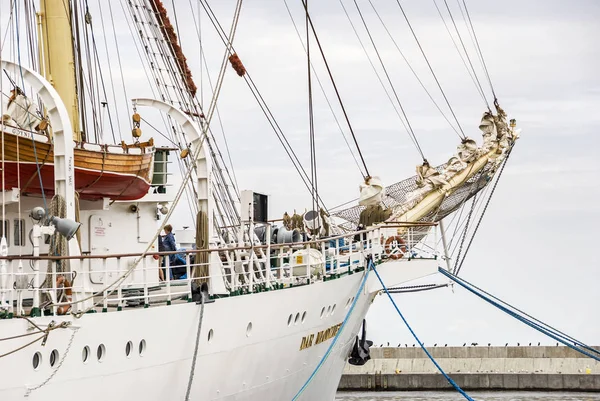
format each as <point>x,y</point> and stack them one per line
<point>96,299</point>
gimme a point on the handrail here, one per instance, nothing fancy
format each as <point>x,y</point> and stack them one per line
<point>225,248</point>
<point>239,272</point>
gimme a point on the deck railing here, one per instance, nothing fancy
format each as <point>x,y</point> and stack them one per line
<point>118,281</point>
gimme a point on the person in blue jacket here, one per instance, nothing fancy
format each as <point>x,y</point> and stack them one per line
<point>169,244</point>
<point>176,263</point>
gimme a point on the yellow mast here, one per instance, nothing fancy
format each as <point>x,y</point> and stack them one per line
<point>57,56</point>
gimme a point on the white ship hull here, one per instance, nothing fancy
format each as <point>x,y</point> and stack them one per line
<point>264,362</point>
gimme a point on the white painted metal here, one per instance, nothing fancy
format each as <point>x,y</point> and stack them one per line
<point>250,344</point>
<point>64,169</point>
<point>445,244</point>
<point>64,176</point>
<point>196,139</point>
<point>262,363</point>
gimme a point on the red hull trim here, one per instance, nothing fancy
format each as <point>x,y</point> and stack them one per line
<point>91,185</point>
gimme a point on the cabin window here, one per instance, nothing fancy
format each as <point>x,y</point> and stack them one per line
<point>4,230</point>
<point>19,232</point>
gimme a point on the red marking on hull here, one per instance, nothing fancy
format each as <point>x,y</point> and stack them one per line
<point>91,185</point>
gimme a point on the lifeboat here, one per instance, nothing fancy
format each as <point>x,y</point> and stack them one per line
<point>118,172</point>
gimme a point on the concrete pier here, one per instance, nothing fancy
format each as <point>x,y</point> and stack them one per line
<point>475,368</point>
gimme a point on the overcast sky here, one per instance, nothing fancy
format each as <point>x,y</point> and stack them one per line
<point>536,247</point>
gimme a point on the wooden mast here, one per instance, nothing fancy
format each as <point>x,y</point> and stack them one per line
<point>58,57</point>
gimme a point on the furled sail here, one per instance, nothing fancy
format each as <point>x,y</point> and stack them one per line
<point>435,192</point>
<point>21,112</point>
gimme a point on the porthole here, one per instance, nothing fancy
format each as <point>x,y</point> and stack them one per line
<point>303,316</point>
<point>297,318</point>
<point>347,303</point>
<point>328,310</point>
<point>142,347</point>
<point>101,352</point>
<point>53,357</point>
<point>290,320</point>
<point>128,349</point>
<point>210,335</point>
<point>85,354</point>
<point>333,309</point>
<point>322,312</point>
<point>249,329</point>
<point>37,360</point>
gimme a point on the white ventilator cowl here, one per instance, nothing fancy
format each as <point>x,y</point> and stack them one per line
<point>371,192</point>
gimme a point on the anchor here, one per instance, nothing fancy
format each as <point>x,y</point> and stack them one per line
<point>361,352</point>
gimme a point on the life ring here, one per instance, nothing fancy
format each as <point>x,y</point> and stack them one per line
<point>401,246</point>
<point>62,282</point>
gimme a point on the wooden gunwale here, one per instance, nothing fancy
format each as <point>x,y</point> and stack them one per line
<point>100,160</point>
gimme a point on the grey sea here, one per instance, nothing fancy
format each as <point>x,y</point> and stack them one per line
<point>478,396</point>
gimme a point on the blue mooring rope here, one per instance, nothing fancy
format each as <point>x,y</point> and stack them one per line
<point>370,266</point>
<point>452,382</point>
<point>548,330</point>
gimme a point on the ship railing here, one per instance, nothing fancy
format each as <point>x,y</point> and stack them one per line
<point>114,281</point>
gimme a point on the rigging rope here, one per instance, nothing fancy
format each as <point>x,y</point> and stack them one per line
<point>375,69</point>
<point>337,122</point>
<point>452,382</point>
<point>220,180</point>
<point>484,210</point>
<point>112,81</point>
<point>463,136</point>
<point>466,52</point>
<point>44,334</point>
<point>172,91</point>
<point>335,89</point>
<point>479,50</point>
<point>262,103</point>
<point>117,49</point>
<point>410,130</point>
<point>411,68</point>
<point>415,288</point>
<point>466,229</point>
<point>196,347</point>
<point>473,78</point>
<point>18,49</point>
<point>525,318</point>
<point>203,62</point>
<point>311,122</point>
<point>58,366</point>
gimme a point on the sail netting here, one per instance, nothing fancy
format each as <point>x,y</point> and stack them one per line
<point>396,195</point>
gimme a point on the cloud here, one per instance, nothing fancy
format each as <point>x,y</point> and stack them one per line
<point>535,243</point>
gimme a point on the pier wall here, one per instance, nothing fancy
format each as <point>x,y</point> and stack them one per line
<point>476,368</point>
